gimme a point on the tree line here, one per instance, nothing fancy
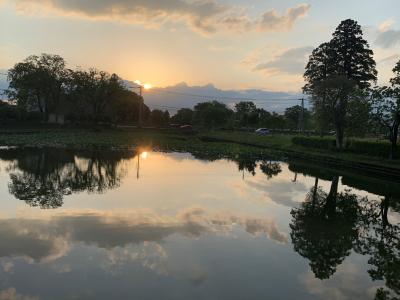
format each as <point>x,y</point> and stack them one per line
<point>44,88</point>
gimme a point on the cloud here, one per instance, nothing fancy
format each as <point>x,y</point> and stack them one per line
<point>390,59</point>
<point>386,25</point>
<point>291,61</point>
<point>204,16</point>
<point>272,21</point>
<point>388,38</point>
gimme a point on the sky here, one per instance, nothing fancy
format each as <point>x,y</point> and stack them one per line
<point>236,44</point>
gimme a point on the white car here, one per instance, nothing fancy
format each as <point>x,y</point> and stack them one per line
<point>262,131</point>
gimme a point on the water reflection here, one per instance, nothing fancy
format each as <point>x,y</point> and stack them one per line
<point>324,227</point>
<point>199,229</point>
<point>42,177</point>
<point>328,226</point>
<point>52,236</point>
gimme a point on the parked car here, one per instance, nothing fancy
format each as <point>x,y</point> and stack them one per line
<point>187,129</point>
<point>262,131</point>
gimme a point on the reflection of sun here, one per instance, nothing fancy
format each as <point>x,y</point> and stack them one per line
<point>144,155</point>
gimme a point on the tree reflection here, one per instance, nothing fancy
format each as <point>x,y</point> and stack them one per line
<point>246,163</point>
<point>381,241</point>
<point>270,169</point>
<point>328,226</point>
<point>43,177</point>
<point>324,228</point>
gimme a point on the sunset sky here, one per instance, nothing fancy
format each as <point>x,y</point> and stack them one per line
<point>233,44</point>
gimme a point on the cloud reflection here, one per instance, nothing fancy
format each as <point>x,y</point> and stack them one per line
<point>50,237</point>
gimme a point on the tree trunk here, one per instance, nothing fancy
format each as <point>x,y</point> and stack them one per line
<point>314,197</point>
<point>393,140</point>
<point>339,136</point>
<point>330,205</point>
<point>384,211</point>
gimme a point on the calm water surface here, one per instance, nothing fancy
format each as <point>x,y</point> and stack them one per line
<point>117,225</point>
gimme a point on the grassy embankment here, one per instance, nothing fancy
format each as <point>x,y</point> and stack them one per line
<point>214,144</point>
<point>163,140</point>
<point>284,144</point>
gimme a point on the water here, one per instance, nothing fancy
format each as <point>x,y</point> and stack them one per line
<point>116,225</point>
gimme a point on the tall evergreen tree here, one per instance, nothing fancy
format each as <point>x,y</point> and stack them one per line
<point>351,54</point>
<point>344,65</point>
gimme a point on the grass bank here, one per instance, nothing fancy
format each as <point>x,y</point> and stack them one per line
<point>284,144</point>
<point>162,140</point>
<point>208,145</point>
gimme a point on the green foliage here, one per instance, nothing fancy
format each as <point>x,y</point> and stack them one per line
<point>292,116</point>
<point>159,118</point>
<point>378,149</point>
<point>385,102</point>
<point>246,113</point>
<point>184,116</point>
<point>8,112</point>
<point>211,114</point>
<point>314,142</point>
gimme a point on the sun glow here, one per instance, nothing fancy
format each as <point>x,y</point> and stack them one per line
<point>146,86</point>
<point>144,155</point>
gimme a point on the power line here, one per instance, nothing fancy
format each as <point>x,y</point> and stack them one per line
<point>226,97</point>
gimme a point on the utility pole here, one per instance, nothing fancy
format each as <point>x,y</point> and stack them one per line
<point>140,105</point>
<point>301,116</point>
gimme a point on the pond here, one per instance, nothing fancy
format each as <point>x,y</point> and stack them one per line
<point>102,224</point>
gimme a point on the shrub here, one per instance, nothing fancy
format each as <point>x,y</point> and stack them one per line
<point>314,142</point>
<point>371,148</point>
<point>381,149</point>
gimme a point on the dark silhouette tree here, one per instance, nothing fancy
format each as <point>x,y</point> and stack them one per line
<point>37,83</point>
<point>184,116</point>
<point>211,114</point>
<point>246,113</point>
<point>159,118</point>
<point>292,116</point>
<point>94,92</point>
<point>337,72</point>
<point>352,56</point>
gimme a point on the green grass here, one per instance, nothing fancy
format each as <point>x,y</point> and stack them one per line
<point>167,140</point>
<point>284,143</point>
<point>158,140</point>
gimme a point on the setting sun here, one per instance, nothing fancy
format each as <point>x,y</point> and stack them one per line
<point>146,86</point>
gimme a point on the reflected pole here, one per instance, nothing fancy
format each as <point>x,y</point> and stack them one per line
<point>138,167</point>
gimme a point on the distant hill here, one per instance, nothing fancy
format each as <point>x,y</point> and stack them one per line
<point>3,83</point>
<point>183,95</point>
